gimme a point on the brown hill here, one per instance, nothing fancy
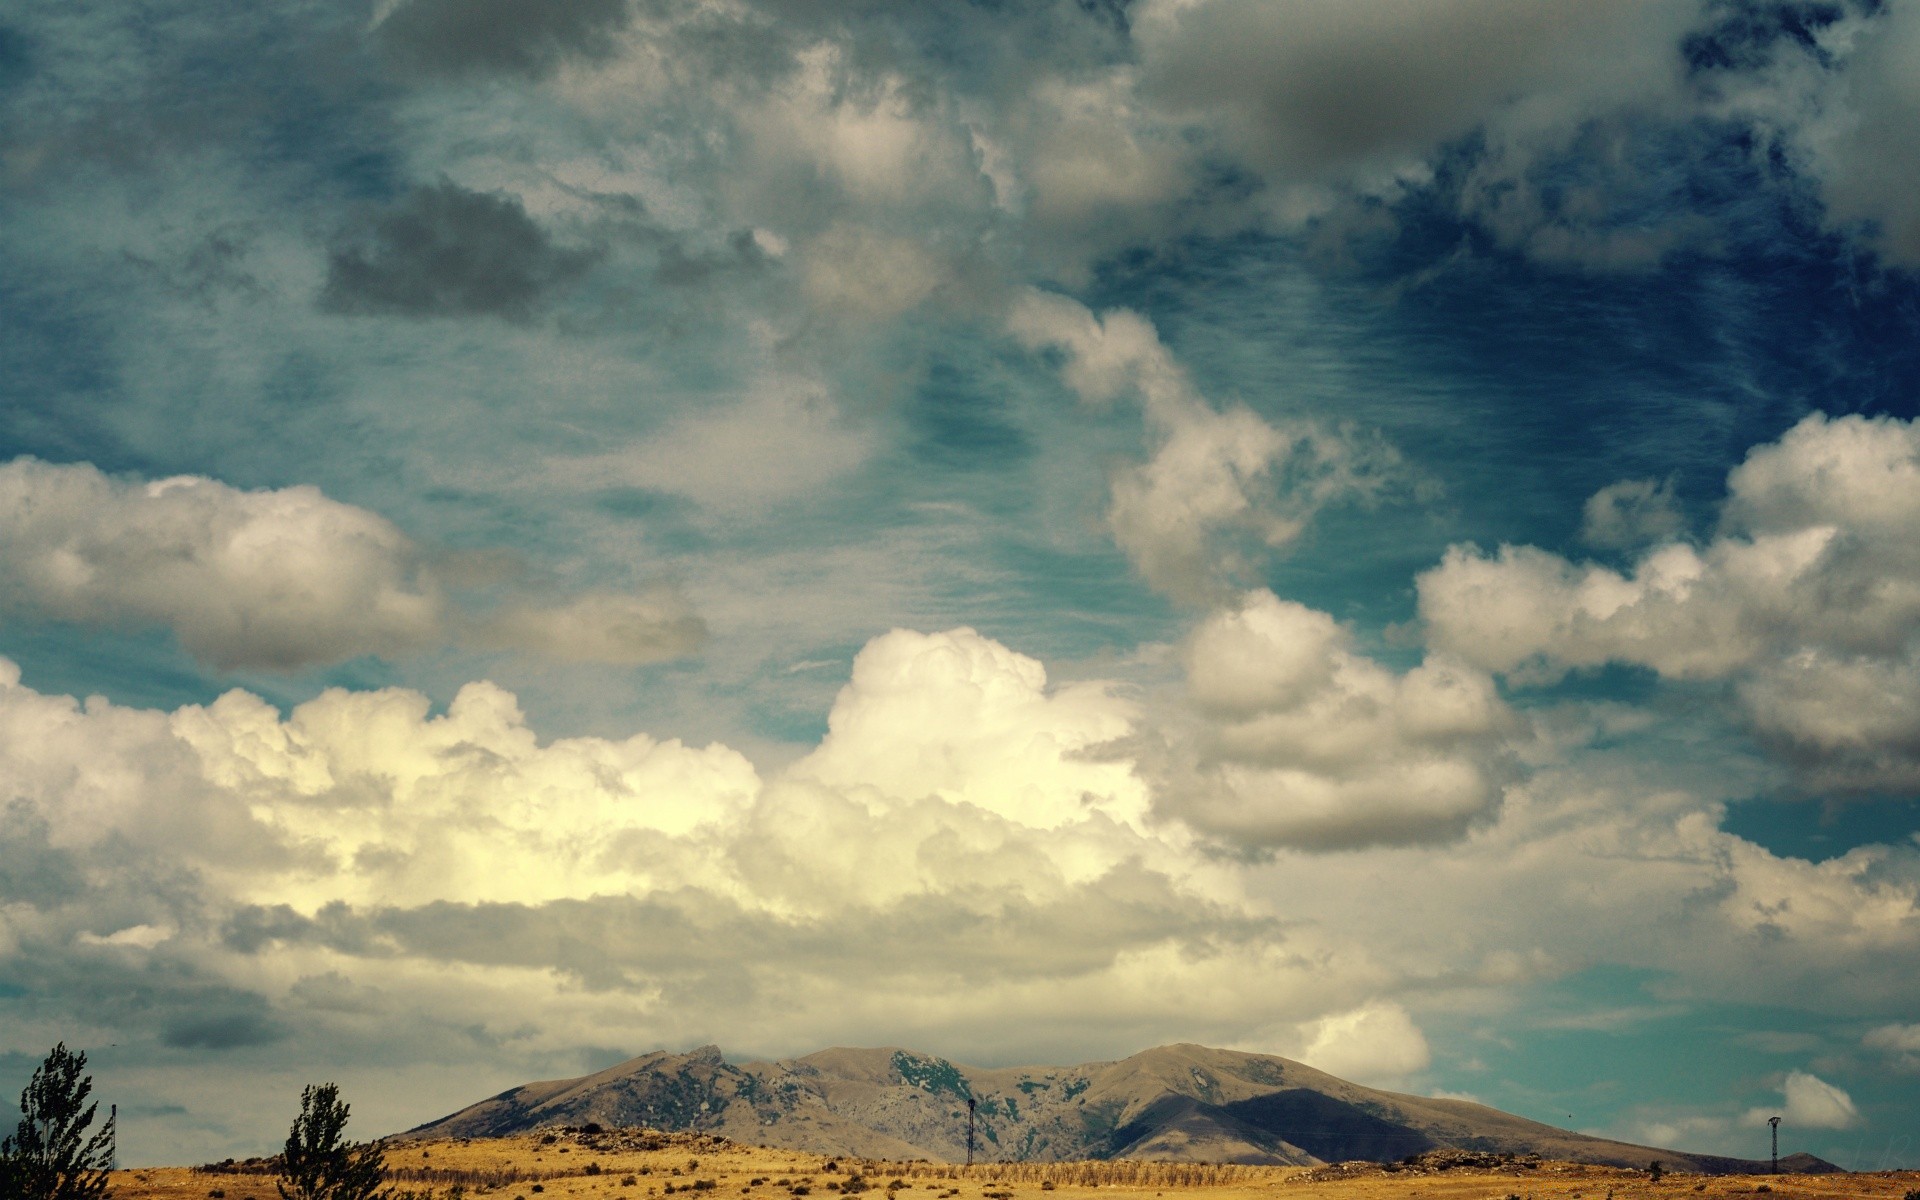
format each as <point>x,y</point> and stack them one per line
<point>1181,1102</point>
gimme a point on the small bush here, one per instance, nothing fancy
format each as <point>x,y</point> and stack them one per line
<point>628,1181</point>
<point>538,1187</point>
<point>216,1194</point>
<point>1047,1185</point>
<point>593,1168</point>
<point>704,1185</point>
<point>1764,1187</point>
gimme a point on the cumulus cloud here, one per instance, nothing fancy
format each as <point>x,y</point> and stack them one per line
<point>1222,489</point>
<point>444,251</point>
<point>275,578</point>
<point>962,717</point>
<point>959,858</point>
<point>267,578</point>
<point>1807,600</point>
<point>1809,1102</point>
<point>1301,742</point>
<point>1377,1043</point>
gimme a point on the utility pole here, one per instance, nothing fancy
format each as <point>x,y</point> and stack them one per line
<point>1775,1122</point>
<point>970,1130</point>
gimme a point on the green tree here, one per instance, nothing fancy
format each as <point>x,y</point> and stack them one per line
<point>319,1163</point>
<point>50,1156</point>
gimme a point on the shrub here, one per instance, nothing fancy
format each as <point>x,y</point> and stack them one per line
<point>593,1168</point>
<point>628,1181</point>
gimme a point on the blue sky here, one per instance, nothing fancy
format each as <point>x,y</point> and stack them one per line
<point>532,532</point>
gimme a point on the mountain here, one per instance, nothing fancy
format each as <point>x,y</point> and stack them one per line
<point>1174,1102</point>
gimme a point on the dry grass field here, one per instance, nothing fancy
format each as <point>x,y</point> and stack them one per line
<point>636,1165</point>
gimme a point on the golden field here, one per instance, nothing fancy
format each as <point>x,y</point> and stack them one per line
<point>637,1165</point>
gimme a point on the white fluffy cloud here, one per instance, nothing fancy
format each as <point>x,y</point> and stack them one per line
<point>274,578</point>
<point>1299,741</point>
<point>1809,1102</point>
<point>1807,599</point>
<point>1378,1043</point>
<point>960,716</point>
<point>1222,488</point>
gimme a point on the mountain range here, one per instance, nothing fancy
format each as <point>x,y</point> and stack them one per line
<point>1182,1102</point>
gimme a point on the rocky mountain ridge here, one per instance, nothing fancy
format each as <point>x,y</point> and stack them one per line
<point>1181,1102</point>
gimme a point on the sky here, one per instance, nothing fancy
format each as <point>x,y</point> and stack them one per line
<point>534,531</point>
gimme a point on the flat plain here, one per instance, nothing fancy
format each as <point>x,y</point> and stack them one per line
<point>645,1165</point>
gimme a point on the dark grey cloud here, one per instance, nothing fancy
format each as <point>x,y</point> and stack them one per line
<point>499,37</point>
<point>444,251</point>
<point>228,1029</point>
<point>615,942</point>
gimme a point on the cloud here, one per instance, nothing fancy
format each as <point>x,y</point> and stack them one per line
<point>1377,1043</point>
<point>784,439</point>
<point>1807,600</point>
<point>1295,740</point>
<point>529,38</point>
<point>865,273</point>
<point>960,716</point>
<point>268,578</point>
<point>1222,490</point>
<point>607,627</point>
<point>961,863</point>
<point>1630,514</point>
<point>1860,137</point>
<point>1899,1043</point>
<point>444,251</point>
<point>1311,86</point>
<point>1809,1102</point>
<point>276,578</point>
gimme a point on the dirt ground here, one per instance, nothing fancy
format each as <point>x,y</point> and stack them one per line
<point>635,1165</point>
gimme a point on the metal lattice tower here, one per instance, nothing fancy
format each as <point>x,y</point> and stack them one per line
<point>1775,1123</point>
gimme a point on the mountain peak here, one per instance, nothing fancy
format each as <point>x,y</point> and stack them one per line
<point>1179,1101</point>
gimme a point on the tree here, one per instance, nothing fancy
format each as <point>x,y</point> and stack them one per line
<point>50,1156</point>
<point>318,1163</point>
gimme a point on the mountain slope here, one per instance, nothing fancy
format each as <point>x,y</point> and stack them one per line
<point>1172,1102</point>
